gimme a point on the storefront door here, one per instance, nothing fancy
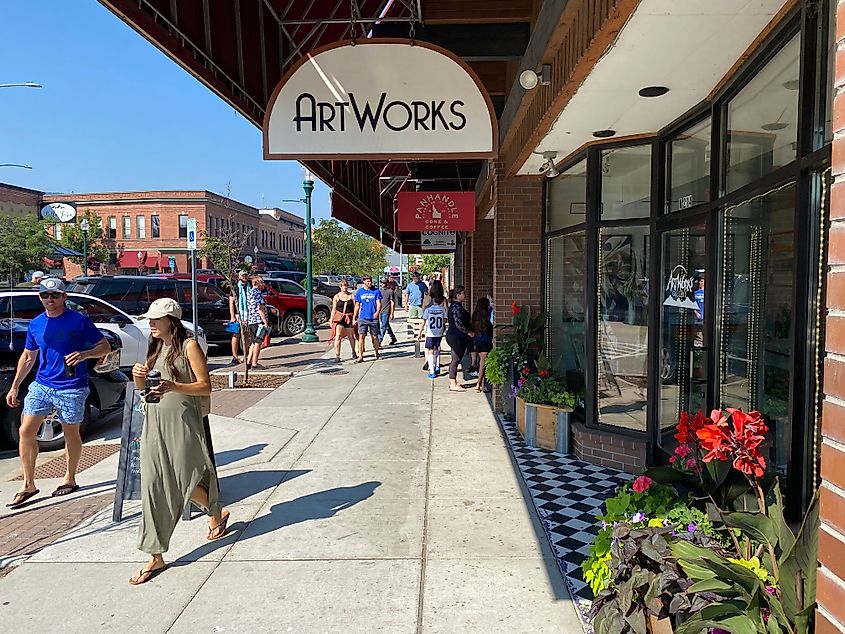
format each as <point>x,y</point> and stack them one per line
<point>681,358</point>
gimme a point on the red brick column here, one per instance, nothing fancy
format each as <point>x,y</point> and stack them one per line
<point>831,578</point>
<point>517,245</point>
<point>481,260</point>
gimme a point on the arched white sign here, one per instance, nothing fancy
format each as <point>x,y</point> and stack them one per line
<point>380,99</point>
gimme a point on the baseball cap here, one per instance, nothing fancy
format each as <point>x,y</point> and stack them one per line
<point>163,307</point>
<point>37,274</point>
<point>51,285</point>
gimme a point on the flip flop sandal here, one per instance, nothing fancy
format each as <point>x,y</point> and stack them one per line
<point>216,532</point>
<point>64,489</point>
<point>457,389</point>
<point>147,575</point>
<point>21,498</point>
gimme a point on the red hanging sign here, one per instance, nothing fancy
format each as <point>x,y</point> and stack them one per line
<point>436,211</point>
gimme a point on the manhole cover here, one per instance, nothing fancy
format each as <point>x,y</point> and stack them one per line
<point>91,455</point>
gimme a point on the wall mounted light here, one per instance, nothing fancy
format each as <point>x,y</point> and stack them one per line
<point>653,91</point>
<point>529,78</point>
<point>548,167</point>
<point>604,134</point>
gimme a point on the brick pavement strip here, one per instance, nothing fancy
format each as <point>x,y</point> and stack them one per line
<point>29,530</point>
<point>232,402</point>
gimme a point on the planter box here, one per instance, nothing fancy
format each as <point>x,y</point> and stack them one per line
<point>543,426</point>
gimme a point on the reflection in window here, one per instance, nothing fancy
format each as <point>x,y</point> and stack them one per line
<point>565,306</point>
<point>762,120</point>
<point>758,244</point>
<point>567,204</point>
<point>626,183</point>
<point>155,221</point>
<point>183,225</point>
<point>688,166</point>
<point>622,345</point>
<point>682,354</point>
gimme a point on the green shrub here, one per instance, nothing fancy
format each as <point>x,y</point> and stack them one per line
<point>496,367</point>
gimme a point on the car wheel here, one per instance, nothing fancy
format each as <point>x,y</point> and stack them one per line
<point>294,323</point>
<point>50,436</point>
<point>321,315</point>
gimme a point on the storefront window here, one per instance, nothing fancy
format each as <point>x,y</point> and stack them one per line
<point>565,306</point>
<point>622,345</point>
<point>626,183</point>
<point>567,198</point>
<point>762,120</point>
<point>682,355</point>
<point>688,167</point>
<point>757,310</point>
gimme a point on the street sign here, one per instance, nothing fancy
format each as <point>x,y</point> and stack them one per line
<point>438,240</point>
<point>192,234</point>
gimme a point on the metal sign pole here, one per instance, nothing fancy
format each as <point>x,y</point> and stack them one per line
<point>194,289</point>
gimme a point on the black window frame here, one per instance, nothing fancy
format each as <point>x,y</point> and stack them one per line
<point>809,171</point>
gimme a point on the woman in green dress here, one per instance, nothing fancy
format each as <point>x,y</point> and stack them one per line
<point>175,462</point>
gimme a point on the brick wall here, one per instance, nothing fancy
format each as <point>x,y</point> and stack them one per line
<point>517,244</point>
<point>831,577</point>
<point>481,266</point>
<point>607,449</point>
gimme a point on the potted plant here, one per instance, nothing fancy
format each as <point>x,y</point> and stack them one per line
<point>747,571</point>
<point>543,408</point>
<point>521,343</point>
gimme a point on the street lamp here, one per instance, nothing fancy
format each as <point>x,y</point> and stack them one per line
<point>310,335</point>
<point>84,226</point>
<point>255,255</point>
<point>26,84</point>
<point>25,167</point>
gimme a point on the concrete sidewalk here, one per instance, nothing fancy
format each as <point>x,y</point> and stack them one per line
<point>364,498</point>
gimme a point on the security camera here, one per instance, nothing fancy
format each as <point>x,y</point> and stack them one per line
<point>548,167</point>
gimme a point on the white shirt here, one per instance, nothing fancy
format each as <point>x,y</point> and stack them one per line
<point>435,320</point>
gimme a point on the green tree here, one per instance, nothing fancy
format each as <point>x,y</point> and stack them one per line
<point>72,238</point>
<point>24,244</point>
<point>345,250</point>
<point>434,262</point>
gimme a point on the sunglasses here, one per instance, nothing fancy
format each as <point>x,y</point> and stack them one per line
<point>49,295</point>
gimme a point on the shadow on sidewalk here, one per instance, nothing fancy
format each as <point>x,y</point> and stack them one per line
<point>240,486</point>
<point>314,506</point>
<point>229,456</point>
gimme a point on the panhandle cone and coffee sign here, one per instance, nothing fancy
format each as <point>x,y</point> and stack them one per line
<point>436,211</point>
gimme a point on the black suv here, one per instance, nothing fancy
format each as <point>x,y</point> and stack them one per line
<point>134,293</point>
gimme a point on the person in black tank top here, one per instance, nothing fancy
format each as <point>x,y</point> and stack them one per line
<point>343,308</point>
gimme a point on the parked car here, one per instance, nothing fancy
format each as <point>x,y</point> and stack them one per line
<point>322,303</point>
<point>106,382</point>
<point>134,293</point>
<point>320,287</point>
<point>21,305</point>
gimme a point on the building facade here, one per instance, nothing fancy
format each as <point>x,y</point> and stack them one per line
<point>147,231</point>
<point>19,201</point>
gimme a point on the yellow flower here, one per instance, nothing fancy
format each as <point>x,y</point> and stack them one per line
<point>657,522</point>
<point>753,565</point>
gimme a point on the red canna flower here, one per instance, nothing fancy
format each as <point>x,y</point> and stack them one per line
<point>526,371</point>
<point>689,425</point>
<point>737,442</point>
<point>544,373</point>
<point>515,309</point>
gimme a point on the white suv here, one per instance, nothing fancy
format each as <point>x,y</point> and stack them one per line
<point>134,333</point>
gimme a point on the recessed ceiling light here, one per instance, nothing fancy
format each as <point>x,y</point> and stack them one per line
<point>771,127</point>
<point>792,84</point>
<point>604,134</point>
<point>653,91</point>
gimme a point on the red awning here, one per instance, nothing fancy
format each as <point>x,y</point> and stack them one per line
<point>130,260</point>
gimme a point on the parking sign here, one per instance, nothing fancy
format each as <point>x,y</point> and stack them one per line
<point>192,234</point>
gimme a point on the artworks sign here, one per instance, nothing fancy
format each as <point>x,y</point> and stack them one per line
<point>438,240</point>
<point>436,211</point>
<point>60,212</point>
<point>679,289</point>
<point>381,98</point>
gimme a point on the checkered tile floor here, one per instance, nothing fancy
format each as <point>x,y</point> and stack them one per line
<point>568,494</point>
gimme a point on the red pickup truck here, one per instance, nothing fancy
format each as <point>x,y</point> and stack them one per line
<point>291,320</point>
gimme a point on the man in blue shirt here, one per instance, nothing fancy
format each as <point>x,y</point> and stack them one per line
<point>415,293</point>
<point>367,310</point>
<point>61,340</point>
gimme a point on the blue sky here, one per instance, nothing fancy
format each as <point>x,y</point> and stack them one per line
<point>115,114</point>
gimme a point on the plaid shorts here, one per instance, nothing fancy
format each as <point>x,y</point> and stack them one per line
<point>69,403</point>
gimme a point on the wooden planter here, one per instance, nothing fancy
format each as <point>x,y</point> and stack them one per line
<point>543,426</point>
